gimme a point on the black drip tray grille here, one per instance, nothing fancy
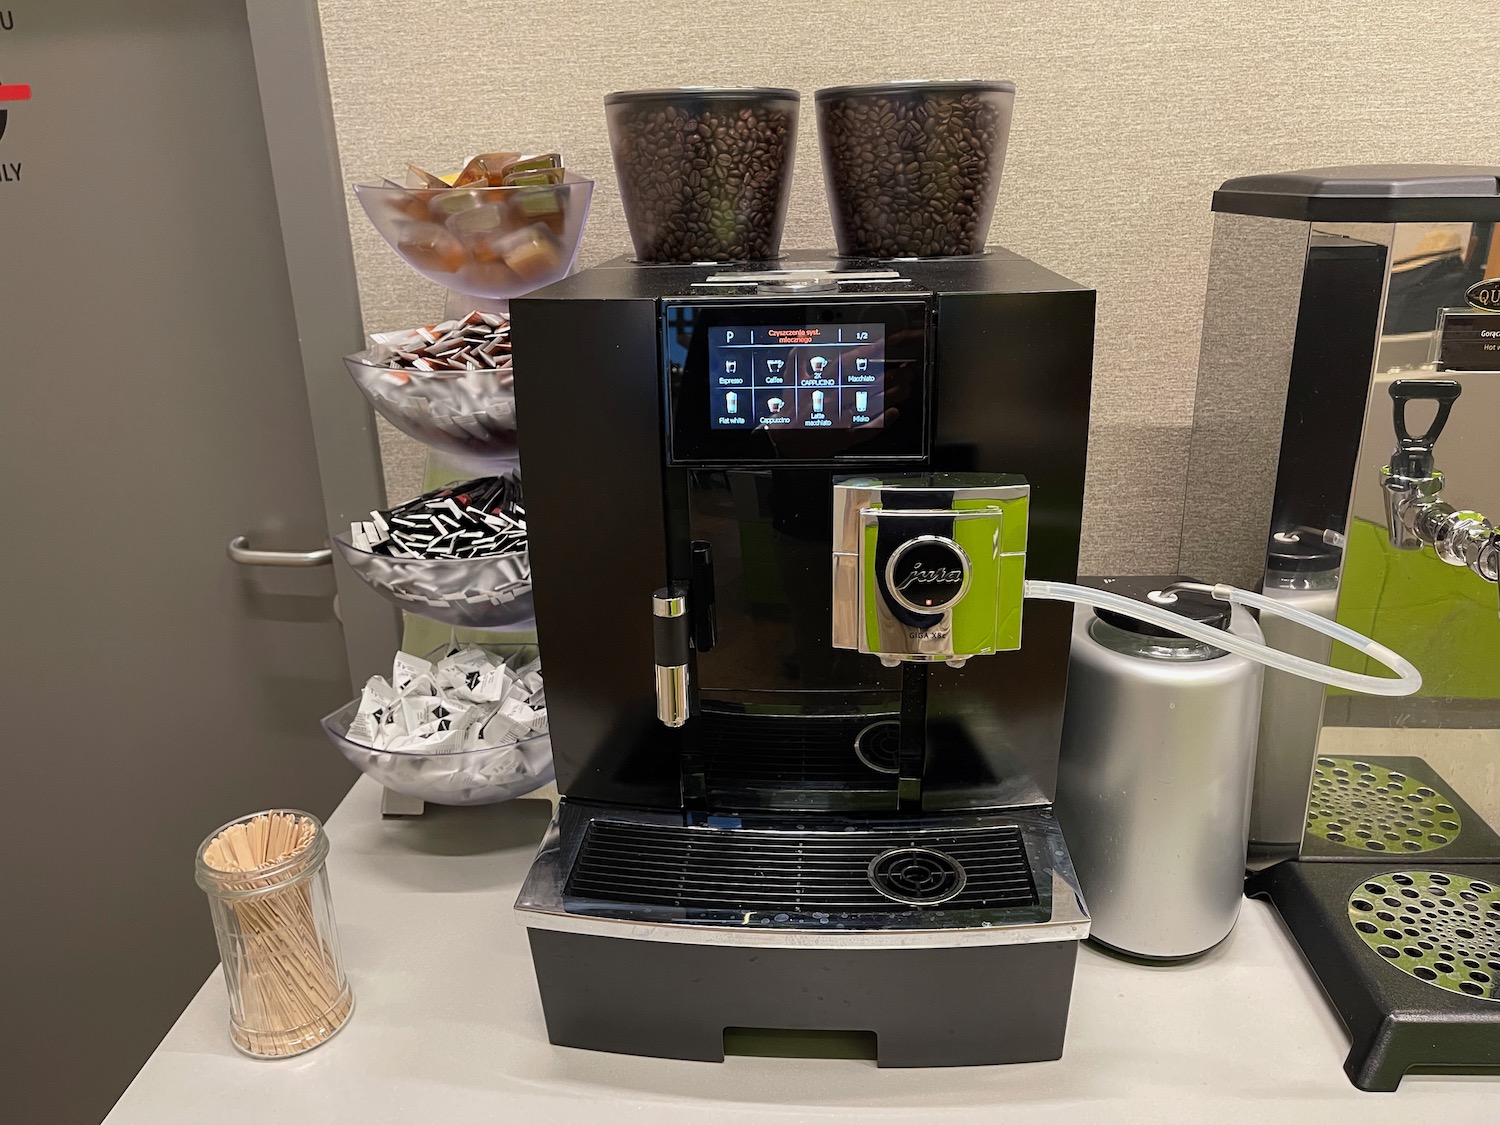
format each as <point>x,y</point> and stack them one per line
<point>747,870</point>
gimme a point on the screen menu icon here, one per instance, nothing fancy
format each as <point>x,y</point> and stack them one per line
<point>798,376</point>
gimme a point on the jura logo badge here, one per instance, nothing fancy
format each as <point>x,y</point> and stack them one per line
<point>939,576</point>
<point>1485,295</point>
<point>928,574</point>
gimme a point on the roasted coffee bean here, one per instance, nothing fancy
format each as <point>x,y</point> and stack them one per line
<point>704,176</point>
<point>913,172</point>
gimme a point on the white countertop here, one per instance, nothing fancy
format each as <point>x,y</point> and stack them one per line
<point>447,1027</point>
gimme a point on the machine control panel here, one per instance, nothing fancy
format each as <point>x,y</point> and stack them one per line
<point>800,376</point>
<point>796,380</point>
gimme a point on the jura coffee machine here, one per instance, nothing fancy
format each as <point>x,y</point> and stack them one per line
<point>805,730</point>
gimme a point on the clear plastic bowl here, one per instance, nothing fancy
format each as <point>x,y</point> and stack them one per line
<point>485,593</point>
<point>491,242</point>
<point>912,168</point>
<point>469,415</point>
<point>466,777</point>
<point>704,173</point>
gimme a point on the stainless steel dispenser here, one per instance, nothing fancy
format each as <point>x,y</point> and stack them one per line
<point>1336,294</point>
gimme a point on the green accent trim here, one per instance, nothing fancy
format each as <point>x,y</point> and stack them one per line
<point>982,623</point>
<point>1012,594</point>
<point>870,597</point>
<point>1442,618</point>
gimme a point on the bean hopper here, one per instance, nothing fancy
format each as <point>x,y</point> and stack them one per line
<point>806,735</point>
<point>1343,454</point>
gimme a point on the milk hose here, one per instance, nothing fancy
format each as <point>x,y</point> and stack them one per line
<point>1408,679</point>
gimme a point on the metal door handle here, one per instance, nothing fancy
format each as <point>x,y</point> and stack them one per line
<point>241,552</point>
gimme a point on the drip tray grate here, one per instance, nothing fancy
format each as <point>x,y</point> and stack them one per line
<point>1440,928</point>
<point>746,870</point>
<point>917,876</point>
<point>1366,807</point>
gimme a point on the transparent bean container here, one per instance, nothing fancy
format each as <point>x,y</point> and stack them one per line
<point>705,173</point>
<point>913,168</point>
<point>278,941</point>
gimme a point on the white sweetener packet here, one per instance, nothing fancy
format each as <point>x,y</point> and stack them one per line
<point>513,719</point>
<point>428,741</point>
<point>501,767</point>
<point>406,668</point>
<point>417,711</point>
<point>461,668</point>
<point>470,674</point>
<point>469,699</point>
<point>375,703</point>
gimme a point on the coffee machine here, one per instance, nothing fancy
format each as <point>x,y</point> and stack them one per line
<point>806,734</point>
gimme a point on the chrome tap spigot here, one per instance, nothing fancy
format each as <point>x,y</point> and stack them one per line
<point>1415,513</point>
<point>1411,482</point>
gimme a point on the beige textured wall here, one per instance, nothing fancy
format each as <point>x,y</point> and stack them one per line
<point>1129,113</point>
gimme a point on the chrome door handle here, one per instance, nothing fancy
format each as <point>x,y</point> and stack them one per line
<point>241,552</point>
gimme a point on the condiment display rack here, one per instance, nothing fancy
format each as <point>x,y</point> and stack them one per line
<point>505,617</point>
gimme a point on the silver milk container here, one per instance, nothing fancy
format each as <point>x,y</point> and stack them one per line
<point>1154,785</point>
<point>1291,710</point>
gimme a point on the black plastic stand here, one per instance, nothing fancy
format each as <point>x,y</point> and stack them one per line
<point>1396,1022</point>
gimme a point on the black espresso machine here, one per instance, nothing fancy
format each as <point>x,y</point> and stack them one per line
<point>807,745</point>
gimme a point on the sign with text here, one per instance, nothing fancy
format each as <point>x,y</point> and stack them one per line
<point>1468,341</point>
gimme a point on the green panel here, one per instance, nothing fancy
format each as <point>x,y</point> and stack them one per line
<point>871,595</point>
<point>1012,594</point>
<point>974,616</point>
<point>1006,575</point>
<point>1014,526</point>
<point>979,625</point>
<point>1442,618</point>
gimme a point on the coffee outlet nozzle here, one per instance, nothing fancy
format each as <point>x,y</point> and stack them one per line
<point>929,567</point>
<point>1416,515</point>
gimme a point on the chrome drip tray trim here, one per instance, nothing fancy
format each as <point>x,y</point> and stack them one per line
<point>1057,913</point>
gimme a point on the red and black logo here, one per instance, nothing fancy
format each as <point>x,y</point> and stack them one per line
<point>15,92</point>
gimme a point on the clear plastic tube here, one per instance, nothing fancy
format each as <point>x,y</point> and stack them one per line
<point>1408,680</point>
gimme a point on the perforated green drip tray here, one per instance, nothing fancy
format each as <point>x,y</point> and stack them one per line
<point>1442,929</point>
<point>1367,807</point>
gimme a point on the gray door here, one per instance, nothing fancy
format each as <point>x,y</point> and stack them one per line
<point>154,407</point>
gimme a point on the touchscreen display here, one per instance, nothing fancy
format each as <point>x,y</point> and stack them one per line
<point>804,376</point>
